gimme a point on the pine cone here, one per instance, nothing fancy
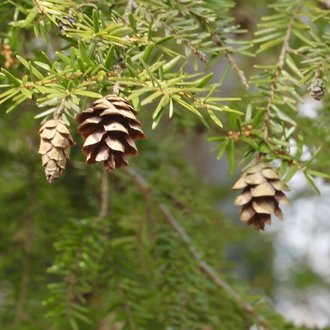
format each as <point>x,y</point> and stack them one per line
<point>262,192</point>
<point>317,89</point>
<point>109,129</point>
<point>55,143</point>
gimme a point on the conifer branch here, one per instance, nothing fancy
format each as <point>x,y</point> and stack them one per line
<point>217,41</point>
<point>241,75</point>
<point>280,65</point>
<point>197,52</point>
<point>202,264</point>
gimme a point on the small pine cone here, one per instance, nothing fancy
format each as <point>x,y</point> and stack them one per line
<point>317,89</point>
<point>55,143</point>
<point>262,192</point>
<point>109,129</point>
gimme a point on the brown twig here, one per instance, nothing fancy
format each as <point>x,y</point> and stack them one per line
<point>104,209</point>
<point>116,88</point>
<point>198,53</point>
<point>202,264</point>
<point>60,109</point>
<point>236,68</point>
<point>217,40</point>
<point>241,75</point>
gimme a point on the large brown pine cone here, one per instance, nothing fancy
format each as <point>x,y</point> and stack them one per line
<point>262,192</point>
<point>109,129</point>
<point>55,143</point>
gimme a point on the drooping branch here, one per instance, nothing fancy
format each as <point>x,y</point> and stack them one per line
<point>202,264</point>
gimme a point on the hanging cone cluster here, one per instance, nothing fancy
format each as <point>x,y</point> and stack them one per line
<point>262,192</point>
<point>55,143</point>
<point>317,89</point>
<point>109,129</point>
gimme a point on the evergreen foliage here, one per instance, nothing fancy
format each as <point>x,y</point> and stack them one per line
<point>145,248</point>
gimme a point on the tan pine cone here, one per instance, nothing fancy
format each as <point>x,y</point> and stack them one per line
<point>109,129</point>
<point>317,89</point>
<point>262,192</point>
<point>55,143</point>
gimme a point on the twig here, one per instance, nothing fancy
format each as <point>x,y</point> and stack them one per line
<point>116,88</point>
<point>241,75</point>
<point>60,109</point>
<point>281,62</point>
<point>217,40</point>
<point>202,264</point>
<point>239,72</point>
<point>198,53</point>
<point>109,76</point>
<point>104,195</point>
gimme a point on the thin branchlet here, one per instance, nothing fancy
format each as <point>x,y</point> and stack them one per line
<point>60,109</point>
<point>230,58</point>
<point>280,65</point>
